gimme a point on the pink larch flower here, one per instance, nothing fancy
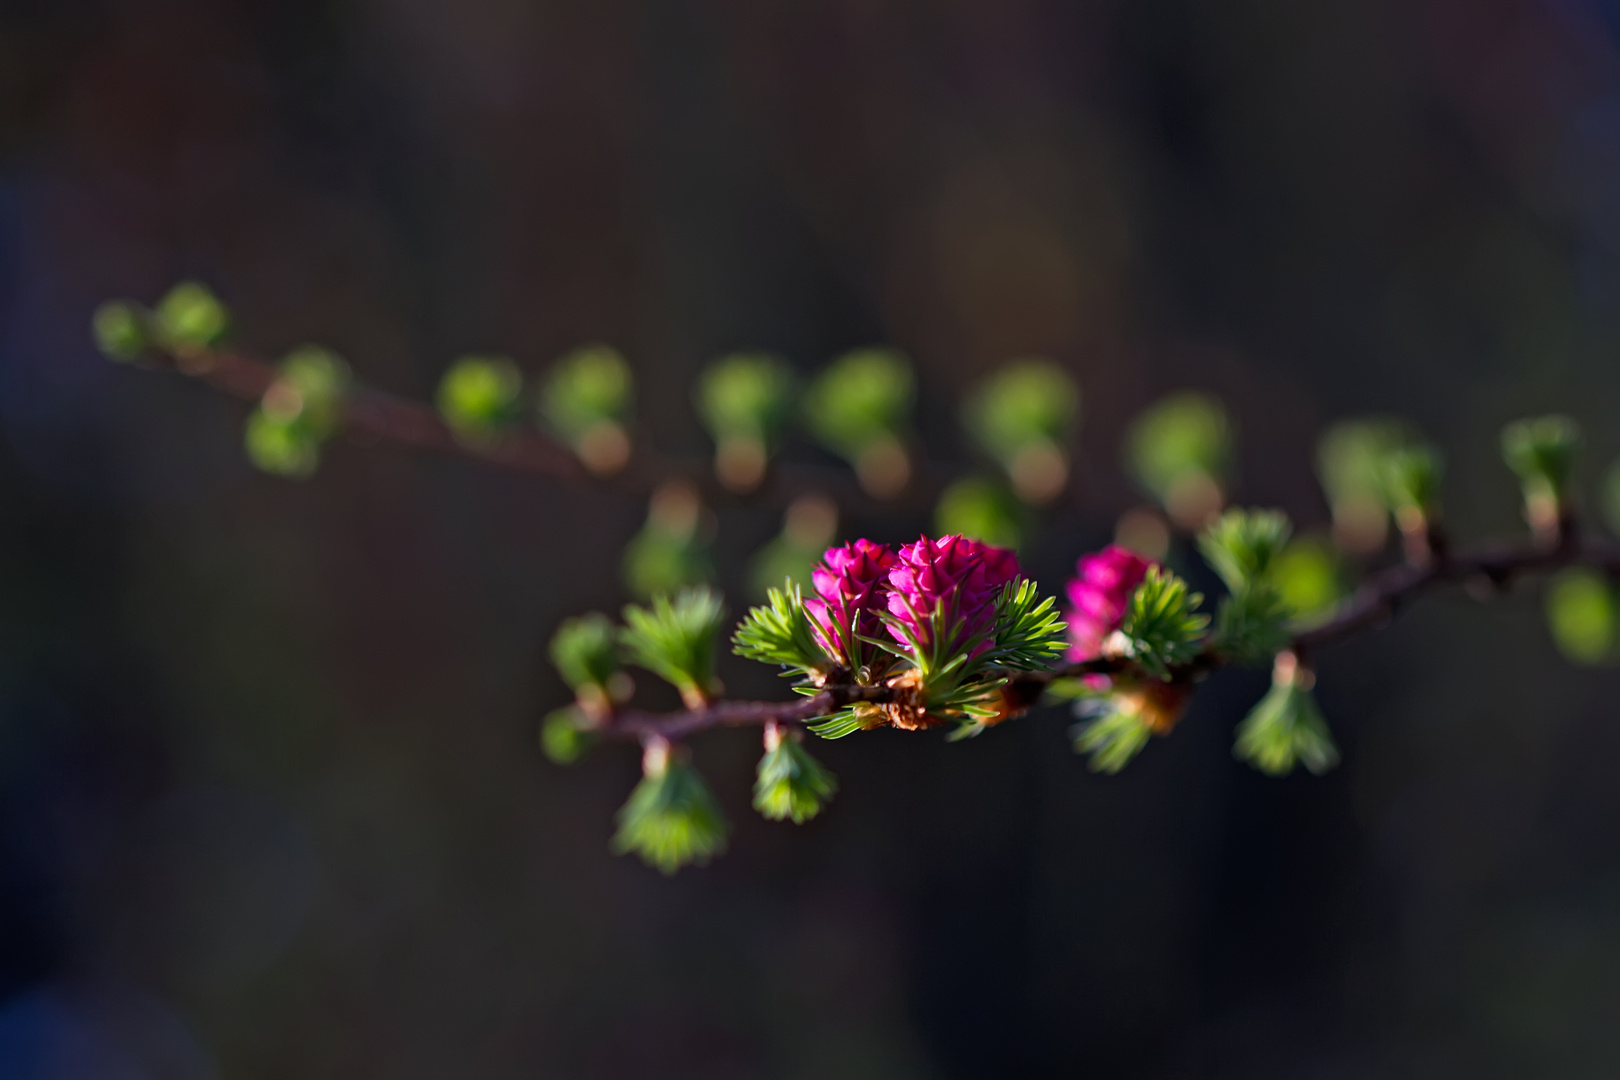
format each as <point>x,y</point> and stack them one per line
<point>958,577</point>
<point>852,585</point>
<point>1098,597</point>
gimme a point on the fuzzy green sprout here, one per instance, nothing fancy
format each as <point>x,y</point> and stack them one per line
<point>790,784</point>
<point>1350,464</point>
<point>671,819</point>
<point>675,640</point>
<point>1112,740</point>
<point>1542,452</point>
<point>585,651</point>
<point>1244,547</point>
<point>779,632</point>
<point>1287,728</point>
<point>1162,627</point>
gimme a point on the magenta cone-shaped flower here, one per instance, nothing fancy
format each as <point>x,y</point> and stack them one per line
<point>1099,595</point>
<point>956,577</point>
<point>852,585</point>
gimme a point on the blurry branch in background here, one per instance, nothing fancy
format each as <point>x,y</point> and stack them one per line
<point>859,409</point>
<point>942,633</point>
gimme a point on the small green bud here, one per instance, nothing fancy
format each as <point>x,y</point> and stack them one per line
<point>585,400</point>
<point>1287,728</point>
<point>779,632</point>
<point>1024,416</point>
<point>1180,451</point>
<point>190,319</point>
<point>586,653</point>
<point>584,388</point>
<point>790,783</point>
<point>860,397</point>
<point>671,820</point>
<point>1162,628</point>
<point>1410,481</point>
<point>1581,613</point>
<point>280,447</point>
<point>121,329</point>
<point>479,396</point>
<point>1307,577</point>
<point>1112,740</point>
<point>745,400</point>
<point>671,550</point>
<point>1242,545</point>
<point>565,735</point>
<point>1350,464</point>
<point>675,639</point>
<point>747,395</point>
<point>1542,452</point>
<point>298,412</point>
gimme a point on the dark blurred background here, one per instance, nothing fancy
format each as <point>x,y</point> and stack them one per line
<point>272,801</point>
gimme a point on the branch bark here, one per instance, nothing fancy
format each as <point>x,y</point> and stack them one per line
<point>1374,604</point>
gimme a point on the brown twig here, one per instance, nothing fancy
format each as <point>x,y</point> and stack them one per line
<point>634,724</point>
<point>1375,603</point>
<point>375,416</point>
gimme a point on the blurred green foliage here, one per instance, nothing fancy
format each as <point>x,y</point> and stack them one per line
<point>1350,458</point>
<point>1410,480</point>
<point>790,784</point>
<point>588,386</point>
<point>299,411</point>
<point>747,396</point>
<point>671,550</point>
<point>1581,612</point>
<point>1242,546</point>
<point>480,397</point>
<point>981,509</point>
<point>585,651</point>
<point>861,398</point>
<point>565,735</point>
<point>190,319</point>
<point>1024,402</point>
<point>1024,416</point>
<point>1112,740</point>
<point>671,819</point>
<point>859,407</point>
<point>122,330</point>
<point>1541,451</point>
<point>1286,729</point>
<point>675,639</point>
<point>1180,451</point>
<point>1308,577</point>
<point>1162,625</point>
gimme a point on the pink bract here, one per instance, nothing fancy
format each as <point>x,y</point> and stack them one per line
<point>1099,595</point>
<point>851,586</point>
<point>958,577</point>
